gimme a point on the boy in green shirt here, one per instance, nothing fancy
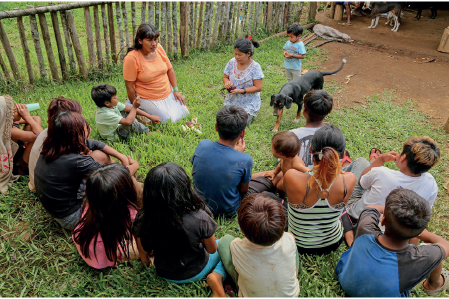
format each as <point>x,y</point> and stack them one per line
<point>113,116</point>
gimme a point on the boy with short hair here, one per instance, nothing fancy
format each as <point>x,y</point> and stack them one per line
<point>294,52</point>
<point>115,117</point>
<point>265,263</point>
<point>221,171</point>
<point>418,155</point>
<point>317,104</point>
<point>386,265</point>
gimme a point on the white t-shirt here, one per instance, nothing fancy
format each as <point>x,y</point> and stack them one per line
<point>266,271</point>
<point>305,136</point>
<point>34,156</point>
<point>380,181</point>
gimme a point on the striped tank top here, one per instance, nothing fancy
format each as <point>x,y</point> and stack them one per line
<point>317,226</point>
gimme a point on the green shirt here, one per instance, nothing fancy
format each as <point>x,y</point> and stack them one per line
<point>108,119</point>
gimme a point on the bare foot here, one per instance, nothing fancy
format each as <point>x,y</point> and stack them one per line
<point>215,282</point>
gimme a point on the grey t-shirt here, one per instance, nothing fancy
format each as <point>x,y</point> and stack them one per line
<point>305,136</point>
<point>198,226</point>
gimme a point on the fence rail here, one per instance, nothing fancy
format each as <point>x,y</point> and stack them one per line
<point>183,26</point>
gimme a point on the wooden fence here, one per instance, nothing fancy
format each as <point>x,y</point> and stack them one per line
<point>182,25</point>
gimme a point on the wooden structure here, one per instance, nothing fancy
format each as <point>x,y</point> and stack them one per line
<point>338,15</point>
<point>110,28</point>
<point>444,43</point>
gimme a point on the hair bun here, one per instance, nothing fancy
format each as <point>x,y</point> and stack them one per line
<point>255,43</point>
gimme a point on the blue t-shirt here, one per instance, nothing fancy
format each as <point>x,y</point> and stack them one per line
<point>217,171</point>
<point>368,269</point>
<point>295,49</point>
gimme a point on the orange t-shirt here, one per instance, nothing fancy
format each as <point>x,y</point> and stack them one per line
<point>151,80</point>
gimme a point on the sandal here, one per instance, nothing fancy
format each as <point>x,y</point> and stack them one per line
<point>346,158</point>
<point>445,285</point>
<point>374,154</point>
<point>229,291</point>
<point>346,24</point>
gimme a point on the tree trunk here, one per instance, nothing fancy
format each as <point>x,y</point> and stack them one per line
<point>221,28</point>
<point>151,13</point>
<point>200,23</point>
<point>250,18</point>
<point>157,7</point>
<point>312,12</point>
<point>216,23</point>
<point>163,25</point>
<point>98,37</point>
<point>244,18</point>
<point>209,25</point>
<point>270,16</point>
<point>143,10</point>
<point>105,33</point>
<point>191,24</point>
<point>205,25</point>
<point>125,21</point>
<point>301,6</point>
<point>133,18</point>
<point>120,30</point>
<point>195,24</point>
<point>338,15</point>
<point>169,29</point>
<point>237,21</point>
<point>332,10</point>
<point>184,29</point>
<point>228,32</point>
<point>175,29</point>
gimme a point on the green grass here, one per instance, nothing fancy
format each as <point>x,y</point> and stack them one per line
<point>49,265</point>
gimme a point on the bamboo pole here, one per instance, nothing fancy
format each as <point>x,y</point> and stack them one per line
<point>26,50</point>
<point>90,37</point>
<point>143,9</point>
<point>163,26</point>
<point>112,33</point>
<point>216,21</point>
<point>228,32</point>
<point>184,29</point>
<point>37,45</point>
<point>175,29</point>
<point>59,44</point>
<point>151,13</point>
<point>156,14</point>
<point>68,42</point>
<point>76,44</point>
<point>125,21</point>
<point>120,30</point>
<point>4,69</point>
<point>105,34</point>
<point>48,49</point>
<point>169,29</point>
<point>133,18</point>
<point>200,23</point>
<point>205,25</point>
<point>98,37</point>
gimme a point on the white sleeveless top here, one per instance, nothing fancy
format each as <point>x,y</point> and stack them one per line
<point>266,271</point>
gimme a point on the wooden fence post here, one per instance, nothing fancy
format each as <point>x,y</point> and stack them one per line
<point>151,13</point>
<point>37,44</point>
<point>133,18</point>
<point>222,26</point>
<point>270,16</point>
<point>9,54</point>
<point>163,26</point>
<point>4,68</point>
<point>169,29</point>
<point>216,23</point>
<point>90,36</point>
<point>184,30</point>
<point>76,44</point>
<point>61,55</point>
<point>48,49</point>
<point>68,42</point>
<point>26,50</point>
<point>112,33</point>
<point>125,20</point>
<point>98,37</point>
<point>312,12</point>
<point>205,24</point>
<point>143,9</point>
<point>228,31</point>
<point>175,28</point>
<point>120,30</point>
<point>200,23</point>
<point>156,14</point>
<point>105,34</point>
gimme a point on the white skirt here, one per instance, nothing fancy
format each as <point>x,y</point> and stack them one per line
<point>168,108</point>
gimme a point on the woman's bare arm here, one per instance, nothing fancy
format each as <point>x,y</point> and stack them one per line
<point>131,91</point>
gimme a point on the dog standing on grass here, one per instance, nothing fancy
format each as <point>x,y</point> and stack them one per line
<point>379,8</point>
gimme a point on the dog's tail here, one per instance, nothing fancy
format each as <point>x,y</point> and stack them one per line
<point>330,73</point>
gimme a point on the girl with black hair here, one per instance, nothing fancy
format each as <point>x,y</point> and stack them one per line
<point>148,75</point>
<point>175,225</point>
<point>103,235</point>
<point>244,75</point>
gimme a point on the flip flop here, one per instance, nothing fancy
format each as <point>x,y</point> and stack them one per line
<point>346,158</point>
<point>346,24</point>
<point>375,155</point>
<point>445,285</point>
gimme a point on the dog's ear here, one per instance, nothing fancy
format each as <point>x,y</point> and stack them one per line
<point>288,102</point>
<point>272,100</point>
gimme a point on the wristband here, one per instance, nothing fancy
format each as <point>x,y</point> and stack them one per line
<point>244,90</point>
<point>175,88</point>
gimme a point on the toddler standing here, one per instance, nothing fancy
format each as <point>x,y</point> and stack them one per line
<point>294,52</point>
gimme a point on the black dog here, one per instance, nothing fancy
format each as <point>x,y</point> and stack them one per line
<point>423,5</point>
<point>295,90</point>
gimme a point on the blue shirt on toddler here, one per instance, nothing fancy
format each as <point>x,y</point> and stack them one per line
<point>368,269</point>
<point>218,169</point>
<point>295,49</point>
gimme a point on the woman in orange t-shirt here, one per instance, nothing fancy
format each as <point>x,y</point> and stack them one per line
<point>148,75</point>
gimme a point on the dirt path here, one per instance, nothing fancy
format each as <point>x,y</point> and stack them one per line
<point>385,60</point>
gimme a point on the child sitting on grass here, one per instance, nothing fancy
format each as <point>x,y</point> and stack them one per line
<point>294,52</point>
<point>221,171</point>
<point>103,235</point>
<point>285,146</point>
<point>265,263</point>
<point>174,225</point>
<point>115,117</point>
<point>386,265</point>
<point>24,137</point>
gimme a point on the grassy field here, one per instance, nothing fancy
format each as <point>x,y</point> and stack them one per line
<point>49,264</point>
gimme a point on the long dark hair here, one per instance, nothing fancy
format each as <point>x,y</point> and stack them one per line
<point>109,192</point>
<point>66,134</point>
<point>246,45</point>
<point>167,196</point>
<point>144,31</point>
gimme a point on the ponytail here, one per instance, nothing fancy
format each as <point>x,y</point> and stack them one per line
<point>327,167</point>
